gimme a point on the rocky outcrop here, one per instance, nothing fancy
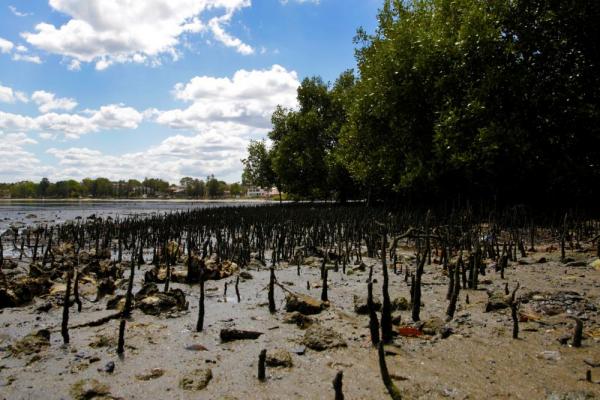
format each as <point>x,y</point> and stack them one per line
<point>303,304</point>
<point>320,338</point>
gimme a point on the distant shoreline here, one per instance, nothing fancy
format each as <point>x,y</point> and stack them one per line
<point>109,200</point>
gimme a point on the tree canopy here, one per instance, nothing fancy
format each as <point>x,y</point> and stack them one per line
<point>453,99</point>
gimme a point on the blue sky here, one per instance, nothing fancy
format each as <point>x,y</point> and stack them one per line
<point>157,88</point>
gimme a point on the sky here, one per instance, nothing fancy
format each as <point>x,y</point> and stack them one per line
<point>158,88</point>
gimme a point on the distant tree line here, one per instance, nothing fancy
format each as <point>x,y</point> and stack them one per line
<point>453,99</point>
<point>211,188</point>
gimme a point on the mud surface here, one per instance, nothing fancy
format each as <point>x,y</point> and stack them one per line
<point>20,213</point>
<point>479,360</point>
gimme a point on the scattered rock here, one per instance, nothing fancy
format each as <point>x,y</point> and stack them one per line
<point>361,306</point>
<point>576,264</point>
<point>432,326</point>
<point>154,373</point>
<point>279,358</point>
<point>116,302</point>
<point>196,347</point>
<point>161,302</point>
<point>549,355</point>
<point>44,307</point>
<point>229,335</point>
<point>320,338</point>
<point>497,301</point>
<point>246,275</point>
<point>445,332</point>
<point>300,350</point>
<point>196,380</point>
<point>304,304</point>
<point>400,304</point>
<point>108,368</point>
<point>592,362</point>
<point>299,319</point>
<point>148,289</point>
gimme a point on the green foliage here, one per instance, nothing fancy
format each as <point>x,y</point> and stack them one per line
<point>303,155</point>
<point>258,170</point>
<point>455,99</point>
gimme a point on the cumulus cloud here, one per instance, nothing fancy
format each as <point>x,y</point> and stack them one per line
<point>8,95</point>
<point>47,101</point>
<point>6,46</point>
<point>16,161</point>
<point>18,13</point>
<point>212,152</point>
<point>247,99</point>
<point>105,32</point>
<point>27,58</point>
<point>72,126</point>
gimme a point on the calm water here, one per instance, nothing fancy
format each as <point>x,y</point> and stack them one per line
<point>23,213</point>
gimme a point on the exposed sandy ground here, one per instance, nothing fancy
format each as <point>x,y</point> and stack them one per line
<point>479,361</point>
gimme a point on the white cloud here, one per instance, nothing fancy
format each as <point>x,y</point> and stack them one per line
<point>300,1</point>
<point>216,26</point>
<point>105,32</point>
<point>47,101</point>
<point>27,58</point>
<point>8,95</point>
<point>72,126</point>
<point>16,163</point>
<point>18,13</point>
<point>212,152</point>
<point>6,45</point>
<point>248,99</point>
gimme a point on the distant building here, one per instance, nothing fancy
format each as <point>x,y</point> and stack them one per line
<point>255,191</point>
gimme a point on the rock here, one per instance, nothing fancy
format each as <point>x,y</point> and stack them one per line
<point>446,331</point>
<point>497,301</point>
<point>148,289</point>
<point>156,274</point>
<point>196,380</point>
<point>300,350</point>
<point>320,338</point>
<point>396,319</point>
<point>542,260</point>
<point>32,343</point>
<point>360,267</point>
<point>246,275</point>
<point>215,271</point>
<point>576,264</point>
<point>108,368</point>
<point>592,362</point>
<point>304,304</point>
<point>564,339</point>
<point>229,335</point>
<point>549,355</point>
<point>116,302</point>
<point>104,287</point>
<point>279,358</point>
<point>45,307</point>
<point>23,290</point>
<point>161,302</point>
<point>432,326</point>
<point>154,373</point>
<point>298,318</point>
<point>361,306</point>
<point>88,389</point>
<point>400,304</point>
